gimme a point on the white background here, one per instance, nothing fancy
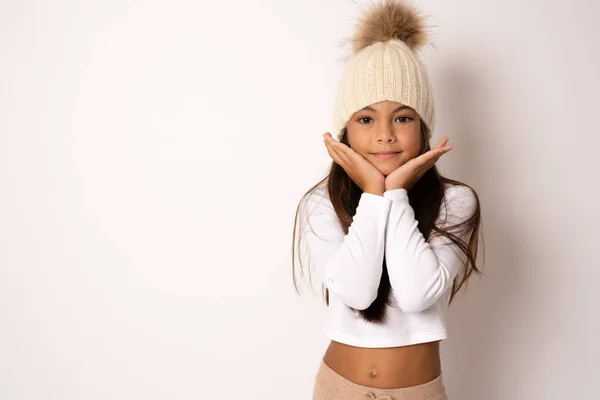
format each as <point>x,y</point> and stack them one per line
<point>153,154</point>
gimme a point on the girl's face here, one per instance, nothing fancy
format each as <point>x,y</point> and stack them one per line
<point>383,127</point>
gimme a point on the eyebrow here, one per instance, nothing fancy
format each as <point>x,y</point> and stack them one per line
<point>367,108</point>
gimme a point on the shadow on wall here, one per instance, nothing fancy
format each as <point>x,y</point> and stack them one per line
<point>489,325</point>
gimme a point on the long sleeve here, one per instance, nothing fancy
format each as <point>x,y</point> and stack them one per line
<point>350,265</point>
<point>421,271</point>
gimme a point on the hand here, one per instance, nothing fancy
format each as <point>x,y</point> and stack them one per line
<point>361,171</point>
<point>410,172</point>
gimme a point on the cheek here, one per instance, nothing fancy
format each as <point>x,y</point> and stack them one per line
<point>362,152</point>
<point>411,152</point>
<point>358,146</point>
<point>412,147</point>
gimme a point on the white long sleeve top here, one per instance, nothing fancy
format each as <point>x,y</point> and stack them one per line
<point>350,265</point>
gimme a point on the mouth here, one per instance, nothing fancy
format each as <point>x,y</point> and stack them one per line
<point>384,155</point>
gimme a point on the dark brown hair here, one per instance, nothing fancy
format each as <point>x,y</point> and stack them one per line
<point>425,197</point>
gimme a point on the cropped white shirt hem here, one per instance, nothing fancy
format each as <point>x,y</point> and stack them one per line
<point>400,340</point>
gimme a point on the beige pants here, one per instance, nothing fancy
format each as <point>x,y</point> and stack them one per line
<point>329,385</point>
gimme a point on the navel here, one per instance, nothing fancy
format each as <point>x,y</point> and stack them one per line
<point>374,373</point>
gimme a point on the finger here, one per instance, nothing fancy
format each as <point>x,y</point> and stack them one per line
<point>341,149</point>
<point>335,154</point>
<point>437,153</point>
<point>441,143</point>
<point>429,156</point>
<point>428,159</point>
<point>341,155</point>
<point>330,150</point>
<point>442,147</point>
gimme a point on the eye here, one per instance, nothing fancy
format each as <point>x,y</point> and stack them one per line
<point>405,119</point>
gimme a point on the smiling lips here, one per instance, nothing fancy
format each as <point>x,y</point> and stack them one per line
<point>384,155</point>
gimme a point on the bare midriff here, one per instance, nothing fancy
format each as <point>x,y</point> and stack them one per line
<point>386,368</point>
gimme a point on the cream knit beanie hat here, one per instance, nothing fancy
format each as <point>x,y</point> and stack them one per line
<point>383,64</point>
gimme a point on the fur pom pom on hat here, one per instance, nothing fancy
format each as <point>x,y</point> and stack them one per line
<point>384,65</point>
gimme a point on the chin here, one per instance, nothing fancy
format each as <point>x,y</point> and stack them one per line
<point>386,171</point>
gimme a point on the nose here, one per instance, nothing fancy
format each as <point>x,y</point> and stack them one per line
<point>385,133</point>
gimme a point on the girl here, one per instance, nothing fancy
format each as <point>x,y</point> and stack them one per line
<point>392,241</point>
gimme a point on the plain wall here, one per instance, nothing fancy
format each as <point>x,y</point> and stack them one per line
<point>153,154</point>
